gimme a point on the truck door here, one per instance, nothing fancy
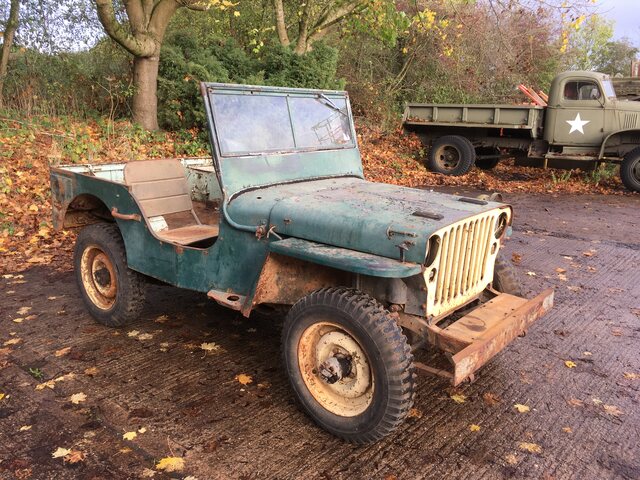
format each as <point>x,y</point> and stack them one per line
<point>578,118</point>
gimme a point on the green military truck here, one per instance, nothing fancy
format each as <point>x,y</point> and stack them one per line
<point>370,273</point>
<point>582,126</point>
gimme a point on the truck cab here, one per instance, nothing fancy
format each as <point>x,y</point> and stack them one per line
<point>583,112</point>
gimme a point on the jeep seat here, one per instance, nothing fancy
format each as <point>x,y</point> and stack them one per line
<point>160,188</point>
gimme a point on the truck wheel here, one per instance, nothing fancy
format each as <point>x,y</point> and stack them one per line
<point>505,279</point>
<point>451,155</point>
<point>113,294</point>
<point>349,364</point>
<point>630,170</point>
<point>493,159</point>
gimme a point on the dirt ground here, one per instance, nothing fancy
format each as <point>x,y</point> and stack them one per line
<point>154,375</point>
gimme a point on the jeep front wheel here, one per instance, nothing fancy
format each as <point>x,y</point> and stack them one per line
<point>451,155</point>
<point>349,364</point>
<point>113,294</point>
<point>630,170</point>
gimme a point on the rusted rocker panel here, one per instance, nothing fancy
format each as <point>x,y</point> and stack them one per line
<point>478,336</point>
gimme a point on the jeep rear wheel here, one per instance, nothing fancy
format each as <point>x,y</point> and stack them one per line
<point>451,155</point>
<point>630,170</point>
<point>349,364</point>
<point>113,294</point>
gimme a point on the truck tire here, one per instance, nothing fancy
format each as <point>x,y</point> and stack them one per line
<point>451,155</point>
<point>113,293</point>
<point>505,279</point>
<point>487,163</point>
<point>349,364</point>
<point>630,170</point>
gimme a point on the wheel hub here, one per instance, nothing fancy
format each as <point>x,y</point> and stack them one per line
<point>335,368</point>
<point>98,277</point>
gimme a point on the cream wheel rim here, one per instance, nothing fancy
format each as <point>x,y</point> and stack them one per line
<point>98,277</point>
<point>352,393</point>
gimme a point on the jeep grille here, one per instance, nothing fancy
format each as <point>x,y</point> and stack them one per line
<point>464,262</point>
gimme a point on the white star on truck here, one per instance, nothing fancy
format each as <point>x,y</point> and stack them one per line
<point>577,124</point>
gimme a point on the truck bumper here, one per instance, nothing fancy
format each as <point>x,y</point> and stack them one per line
<point>477,337</point>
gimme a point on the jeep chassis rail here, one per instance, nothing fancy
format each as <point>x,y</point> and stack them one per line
<point>474,339</point>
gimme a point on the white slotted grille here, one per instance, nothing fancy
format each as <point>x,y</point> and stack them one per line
<point>464,264</point>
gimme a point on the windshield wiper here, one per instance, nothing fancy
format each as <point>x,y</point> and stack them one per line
<point>329,103</point>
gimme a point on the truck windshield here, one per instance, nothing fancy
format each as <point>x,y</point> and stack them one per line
<point>609,91</point>
<point>247,124</point>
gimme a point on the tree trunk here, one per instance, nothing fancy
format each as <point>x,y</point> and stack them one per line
<point>281,26</point>
<point>10,30</point>
<point>145,99</point>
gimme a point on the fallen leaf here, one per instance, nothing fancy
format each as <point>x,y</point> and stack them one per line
<point>18,320</point>
<point>587,354</point>
<point>458,398</point>
<point>23,310</point>
<point>511,459</point>
<point>161,319</point>
<point>51,298</point>
<point>210,347</point>
<point>530,447</point>
<point>129,435</point>
<point>567,430</point>
<point>589,253</point>
<point>77,398</point>
<point>2,395</point>
<point>60,452</point>
<point>574,402</point>
<point>91,371</point>
<point>596,401</point>
<point>142,430</point>
<point>562,277</point>
<point>561,270</point>
<point>612,410</point>
<point>531,274</point>
<point>516,258</point>
<point>148,473</point>
<point>631,376</point>
<point>570,364</point>
<point>125,450</point>
<point>491,398</point>
<point>13,341</point>
<point>616,332</point>
<point>474,428</point>
<point>414,413</point>
<point>573,288</point>
<point>591,269</point>
<point>170,464</point>
<point>244,379</point>
<point>74,456</point>
<point>145,336</point>
<point>133,333</point>
<point>521,408</point>
<point>62,352</point>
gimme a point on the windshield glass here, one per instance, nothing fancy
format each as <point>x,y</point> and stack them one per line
<point>608,89</point>
<point>269,122</point>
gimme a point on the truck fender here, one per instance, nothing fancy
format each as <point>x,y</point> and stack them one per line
<point>634,131</point>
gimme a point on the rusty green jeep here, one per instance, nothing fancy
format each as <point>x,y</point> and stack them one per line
<point>281,215</point>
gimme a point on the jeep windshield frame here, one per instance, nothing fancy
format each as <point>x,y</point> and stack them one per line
<point>249,120</point>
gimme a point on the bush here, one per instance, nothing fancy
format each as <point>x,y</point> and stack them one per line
<point>186,61</point>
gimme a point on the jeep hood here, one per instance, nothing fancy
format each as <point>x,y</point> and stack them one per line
<point>356,214</point>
